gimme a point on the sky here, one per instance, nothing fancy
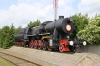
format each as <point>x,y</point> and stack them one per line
<point>21,12</point>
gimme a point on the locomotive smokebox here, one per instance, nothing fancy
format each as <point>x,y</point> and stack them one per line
<point>64,25</point>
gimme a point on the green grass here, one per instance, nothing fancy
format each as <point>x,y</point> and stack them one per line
<point>3,62</point>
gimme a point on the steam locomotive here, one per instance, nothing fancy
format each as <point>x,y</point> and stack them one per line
<point>50,35</point>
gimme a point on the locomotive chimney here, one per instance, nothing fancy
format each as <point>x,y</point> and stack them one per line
<point>61,17</point>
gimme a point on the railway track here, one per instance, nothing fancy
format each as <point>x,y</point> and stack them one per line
<point>17,61</point>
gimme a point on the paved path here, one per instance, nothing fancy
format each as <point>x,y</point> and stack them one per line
<point>56,58</point>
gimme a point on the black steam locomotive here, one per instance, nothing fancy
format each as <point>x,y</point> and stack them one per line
<point>50,35</point>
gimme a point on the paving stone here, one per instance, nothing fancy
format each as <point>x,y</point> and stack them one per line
<point>55,58</point>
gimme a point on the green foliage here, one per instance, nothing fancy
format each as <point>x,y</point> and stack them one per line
<point>34,23</point>
<point>91,32</point>
<point>80,21</point>
<point>6,36</point>
<point>17,29</point>
<point>11,37</point>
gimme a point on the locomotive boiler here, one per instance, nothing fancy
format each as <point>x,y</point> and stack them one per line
<point>50,35</point>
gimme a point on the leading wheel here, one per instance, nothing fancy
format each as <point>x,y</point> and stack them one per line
<point>72,48</point>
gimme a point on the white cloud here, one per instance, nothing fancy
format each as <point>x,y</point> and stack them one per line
<point>23,13</point>
<point>89,6</point>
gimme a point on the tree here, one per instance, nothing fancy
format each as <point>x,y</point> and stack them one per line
<point>91,32</point>
<point>34,23</point>
<point>1,38</point>
<point>4,36</point>
<point>7,36</point>
<point>80,21</point>
<point>30,24</point>
<point>11,37</point>
<point>17,29</point>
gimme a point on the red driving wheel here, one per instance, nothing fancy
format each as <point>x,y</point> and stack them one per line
<point>44,46</point>
<point>61,48</point>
